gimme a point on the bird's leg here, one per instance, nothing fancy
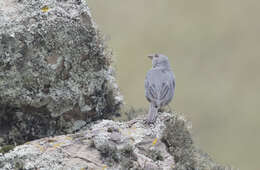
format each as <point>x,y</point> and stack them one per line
<point>161,109</point>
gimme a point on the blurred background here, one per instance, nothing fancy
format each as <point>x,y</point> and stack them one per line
<point>213,47</point>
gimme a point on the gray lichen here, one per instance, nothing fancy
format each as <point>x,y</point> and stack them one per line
<point>54,69</point>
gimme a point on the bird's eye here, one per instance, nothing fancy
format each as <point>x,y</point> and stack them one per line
<point>156,56</point>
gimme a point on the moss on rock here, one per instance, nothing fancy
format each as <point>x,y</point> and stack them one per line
<point>6,148</point>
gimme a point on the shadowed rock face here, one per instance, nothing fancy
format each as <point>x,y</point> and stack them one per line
<point>55,73</point>
<point>166,145</point>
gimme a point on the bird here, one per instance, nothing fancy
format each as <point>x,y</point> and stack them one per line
<point>159,85</point>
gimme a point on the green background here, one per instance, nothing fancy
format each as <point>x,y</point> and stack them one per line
<point>213,47</point>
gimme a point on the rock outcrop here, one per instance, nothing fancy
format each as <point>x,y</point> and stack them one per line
<point>56,79</point>
<point>55,73</point>
<point>111,145</point>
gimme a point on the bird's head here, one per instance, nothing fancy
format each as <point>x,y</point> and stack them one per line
<point>159,60</point>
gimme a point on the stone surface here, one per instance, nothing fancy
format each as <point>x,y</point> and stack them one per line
<point>114,145</point>
<point>55,73</point>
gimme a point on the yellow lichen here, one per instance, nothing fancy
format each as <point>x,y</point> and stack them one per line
<point>68,138</point>
<point>155,141</point>
<point>133,128</point>
<point>57,145</point>
<point>45,8</point>
<point>40,147</point>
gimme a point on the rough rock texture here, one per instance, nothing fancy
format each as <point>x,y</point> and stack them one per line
<point>55,73</point>
<point>115,146</point>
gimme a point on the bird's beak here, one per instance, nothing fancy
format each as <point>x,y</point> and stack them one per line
<point>150,56</point>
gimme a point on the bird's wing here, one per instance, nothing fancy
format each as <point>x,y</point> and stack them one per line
<point>156,85</point>
<point>159,87</point>
<point>150,89</point>
<point>150,92</point>
<point>165,87</point>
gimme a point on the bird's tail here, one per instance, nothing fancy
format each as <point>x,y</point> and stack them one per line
<point>152,113</point>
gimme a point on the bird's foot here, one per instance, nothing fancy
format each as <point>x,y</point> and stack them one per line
<point>150,121</point>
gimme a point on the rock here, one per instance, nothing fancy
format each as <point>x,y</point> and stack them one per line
<point>166,145</point>
<point>1,140</point>
<point>55,73</point>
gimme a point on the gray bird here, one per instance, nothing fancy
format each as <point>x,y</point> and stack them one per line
<point>159,85</point>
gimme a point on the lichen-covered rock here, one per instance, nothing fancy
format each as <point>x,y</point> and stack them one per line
<point>166,145</point>
<point>179,143</point>
<point>55,73</point>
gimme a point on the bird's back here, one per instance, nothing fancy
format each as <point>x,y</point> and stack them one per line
<point>159,86</point>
